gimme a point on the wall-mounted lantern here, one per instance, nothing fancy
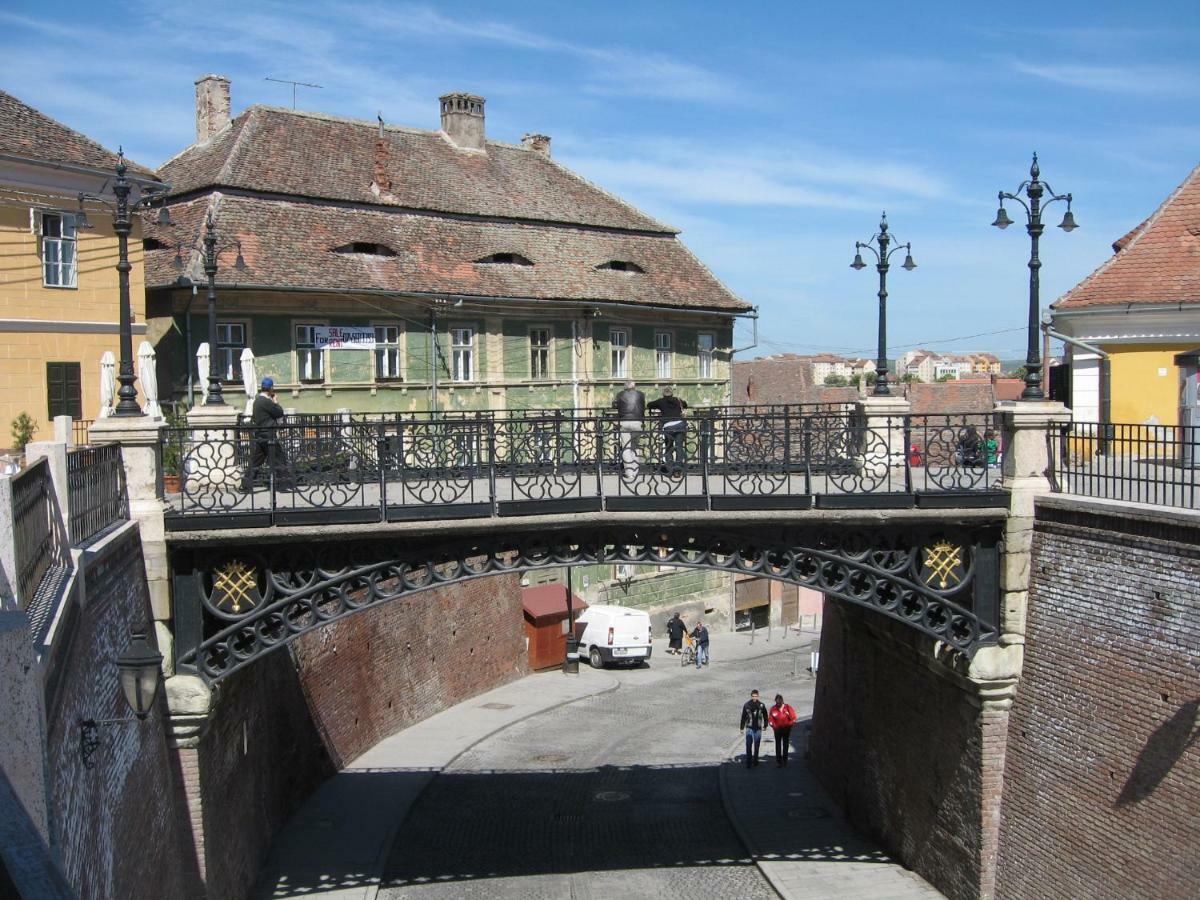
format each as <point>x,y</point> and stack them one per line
<point>140,670</point>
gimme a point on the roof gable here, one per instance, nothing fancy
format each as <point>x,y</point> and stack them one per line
<point>1158,262</point>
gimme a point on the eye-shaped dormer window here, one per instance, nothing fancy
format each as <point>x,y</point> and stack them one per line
<point>505,259</point>
<point>620,265</point>
<point>366,248</point>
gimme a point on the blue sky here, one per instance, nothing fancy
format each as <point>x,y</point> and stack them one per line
<point>773,134</point>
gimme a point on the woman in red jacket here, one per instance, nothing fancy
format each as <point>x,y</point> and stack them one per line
<point>782,717</point>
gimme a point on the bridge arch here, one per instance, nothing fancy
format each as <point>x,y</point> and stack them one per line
<point>236,604</point>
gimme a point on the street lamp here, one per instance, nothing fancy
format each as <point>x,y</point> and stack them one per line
<point>1034,189</point>
<point>211,250</point>
<point>140,670</point>
<point>882,239</point>
<point>127,404</point>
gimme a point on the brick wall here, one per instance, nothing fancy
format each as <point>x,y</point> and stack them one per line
<point>1102,781</point>
<point>904,749</point>
<point>374,673</point>
<point>116,825</point>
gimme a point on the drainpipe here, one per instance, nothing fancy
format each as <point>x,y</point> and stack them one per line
<point>574,389</point>
<point>753,316</point>
<point>433,371</point>
<point>1105,378</point>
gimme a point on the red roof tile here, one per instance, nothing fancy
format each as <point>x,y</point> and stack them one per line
<point>1157,262</point>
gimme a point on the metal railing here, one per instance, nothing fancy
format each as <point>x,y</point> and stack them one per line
<point>79,431</point>
<point>420,467</point>
<point>96,491</point>
<point>1156,464</point>
<point>33,529</point>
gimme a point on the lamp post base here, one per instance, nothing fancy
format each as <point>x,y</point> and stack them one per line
<point>571,663</point>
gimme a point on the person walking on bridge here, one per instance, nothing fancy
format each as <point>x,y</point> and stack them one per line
<point>754,720</point>
<point>631,410</point>
<point>782,717</point>
<point>266,417</point>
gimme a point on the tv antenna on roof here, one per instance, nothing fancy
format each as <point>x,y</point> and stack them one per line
<point>294,85</point>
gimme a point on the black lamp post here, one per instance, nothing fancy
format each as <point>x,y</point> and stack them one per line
<point>1034,190</point>
<point>211,250</point>
<point>883,240</point>
<point>127,404</point>
<point>140,670</point>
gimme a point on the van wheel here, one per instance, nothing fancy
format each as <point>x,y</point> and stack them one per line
<point>595,658</point>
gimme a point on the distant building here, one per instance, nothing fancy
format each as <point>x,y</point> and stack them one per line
<point>1140,307</point>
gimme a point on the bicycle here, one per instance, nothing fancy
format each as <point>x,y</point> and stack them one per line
<point>687,656</point>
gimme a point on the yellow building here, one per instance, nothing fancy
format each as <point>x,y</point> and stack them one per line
<point>1138,309</point>
<point>59,299</point>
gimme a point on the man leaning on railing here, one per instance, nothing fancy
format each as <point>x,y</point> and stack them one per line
<point>266,417</point>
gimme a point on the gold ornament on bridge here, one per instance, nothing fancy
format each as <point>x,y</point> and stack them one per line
<point>942,562</point>
<point>235,588</point>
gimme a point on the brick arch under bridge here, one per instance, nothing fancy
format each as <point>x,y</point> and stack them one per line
<point>234,604</point>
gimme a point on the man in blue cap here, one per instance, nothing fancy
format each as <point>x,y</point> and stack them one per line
<point>266,417</point>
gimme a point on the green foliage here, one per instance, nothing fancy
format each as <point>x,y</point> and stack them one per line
<point>910,378</point>
<point>948,376</point>
<point>835,380</point>
<point>172,448</point>
<point>24,427</point>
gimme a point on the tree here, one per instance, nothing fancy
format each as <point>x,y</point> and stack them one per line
<point>835,380</point>
<point>910,378</point>
<point>947,376</point>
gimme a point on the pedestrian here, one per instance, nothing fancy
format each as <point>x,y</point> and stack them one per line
<point>631,410</point>
<point>969,449</point>
<point>265,418</point>
<point>991,447</point>
<point>670,416</point>
<point>782,717</point>
<point>754,719</point>
<point>700,637</point>
<point>675,630</point>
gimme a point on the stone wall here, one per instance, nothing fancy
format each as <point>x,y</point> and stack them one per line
<point>1102,780</point>
<point>904,748</point>
<point>115,825</point>
<point>372,674</point>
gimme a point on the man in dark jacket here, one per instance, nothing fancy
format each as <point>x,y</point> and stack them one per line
<point>754,719</point>
<point>631,409</point>
<point>266,416</point>
<point>700,636</point>
<point>670,417</point>
<point>675,630</point>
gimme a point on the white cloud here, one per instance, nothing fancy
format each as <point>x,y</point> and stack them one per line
<point>1126,79</point>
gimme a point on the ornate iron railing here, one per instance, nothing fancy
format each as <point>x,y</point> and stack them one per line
<point>483,465</point>
<point>96,491</point>
<point>1157,464</point>
<point>33,528</point>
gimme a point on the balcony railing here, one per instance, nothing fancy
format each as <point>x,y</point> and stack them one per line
<point>96,485</point>
<point>79,431</point>
<point>33,530</point>
<point>422,467</point>
<point>1156,464</point>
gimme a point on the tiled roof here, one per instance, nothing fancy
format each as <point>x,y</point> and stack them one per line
<point>288,244</point>
<point>1157,262</point>
<point>949,397</point>
<point>782,379</point>
<point>30,134</point>
<point>303,154</point>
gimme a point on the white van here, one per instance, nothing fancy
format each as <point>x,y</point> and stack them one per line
<point>613,634</point>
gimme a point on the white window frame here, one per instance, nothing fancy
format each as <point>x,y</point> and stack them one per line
<point>618,358</point>
<point>704,357</point>
<point>233,373</point>
<point>462,355</point>
<point>390,353</point>
<point>319,355</point>
<point>66,272</point>
<point>664,353</point>
<point>544,351</point>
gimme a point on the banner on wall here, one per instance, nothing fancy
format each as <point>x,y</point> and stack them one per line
<point>344,337</point>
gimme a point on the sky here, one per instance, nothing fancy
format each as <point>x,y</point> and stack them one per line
<point>772,134</point>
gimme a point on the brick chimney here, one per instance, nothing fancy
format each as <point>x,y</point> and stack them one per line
<point>462,120</point>
<point>538,143</point>
<point>212,106</point>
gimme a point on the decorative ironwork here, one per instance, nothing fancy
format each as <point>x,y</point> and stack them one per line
<point>96,491</point>
<point>925,580</point>
<point>481,464</point>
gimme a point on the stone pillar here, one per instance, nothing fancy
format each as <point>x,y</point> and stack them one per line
<point>189,703</point>
<point>64,430</point>
<point>140,438</point>
<point>55,454</point>
<point>883,418</point>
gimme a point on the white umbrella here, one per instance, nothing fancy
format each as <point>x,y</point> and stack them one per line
<point>202,366</point>
<point>249,378</point>
<point>149,379</point>
<point>108,383</point>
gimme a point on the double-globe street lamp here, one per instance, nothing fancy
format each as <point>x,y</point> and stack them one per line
<point>211,251</point>
<point>1034,190</point>
<point>148,194</point>
<point>882,240</point>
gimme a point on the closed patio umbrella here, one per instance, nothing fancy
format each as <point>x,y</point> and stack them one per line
<point>149,379</point>
<point>249,379</point>
<point>108,383</point>
<point>202,366</point>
